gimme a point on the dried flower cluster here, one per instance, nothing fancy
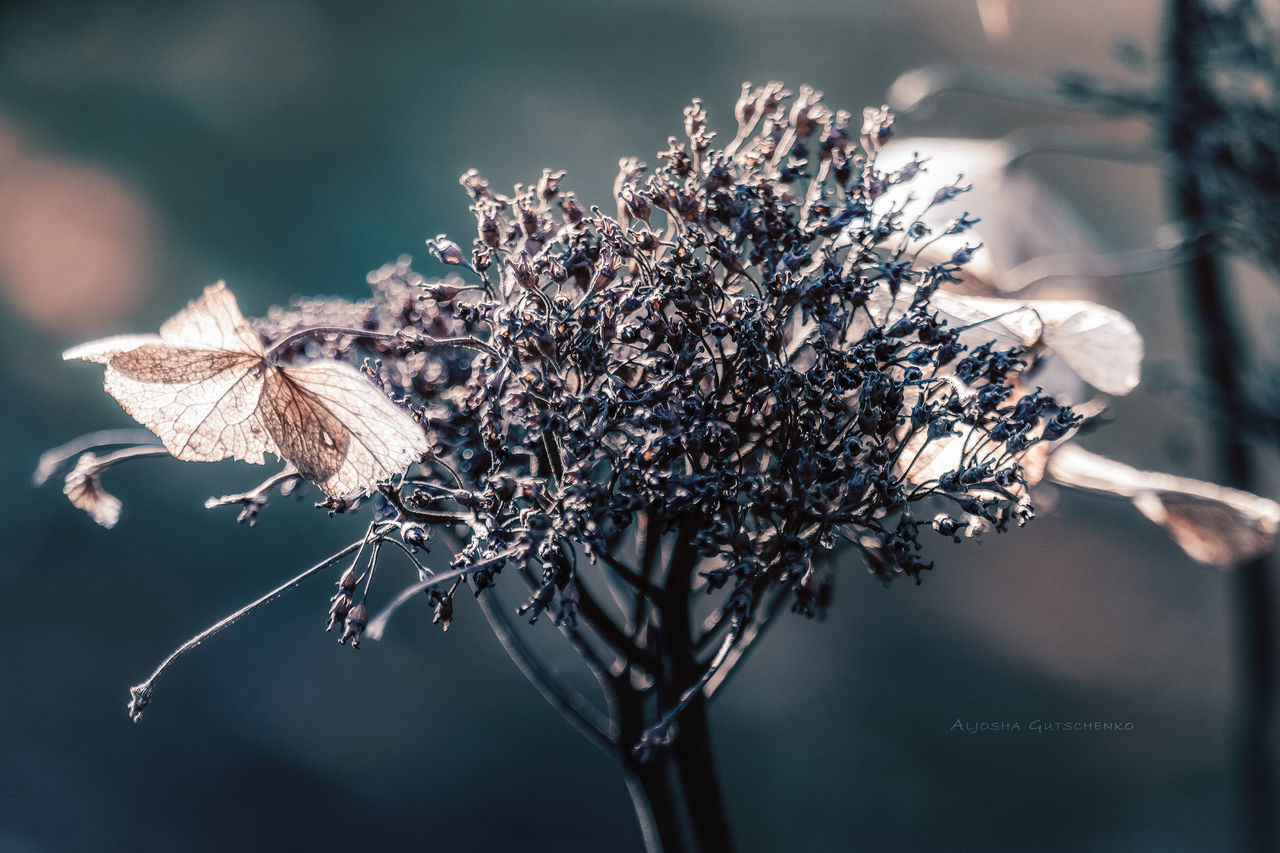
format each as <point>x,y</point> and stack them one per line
<point>711,388</point>
<point>761,379</point>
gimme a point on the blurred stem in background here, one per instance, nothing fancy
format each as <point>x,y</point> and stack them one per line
<point>1188,109</point>
<point>1213,103</point>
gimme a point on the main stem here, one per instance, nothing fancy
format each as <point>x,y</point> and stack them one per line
<point>674,788</point>
<point>1221,356</point>
<point>676,793</point>
<point>673,784</point>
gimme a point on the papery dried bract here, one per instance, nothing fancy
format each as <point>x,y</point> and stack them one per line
<point>208,389</point>
<point>340,431</point>
<point>83,488</point>
<point>1215,525</point>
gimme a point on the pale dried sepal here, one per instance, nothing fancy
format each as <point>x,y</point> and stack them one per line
<point>380,439</point>
<point>203,404</point>
<point>213,321</point>
<point>1098,343</point>
<point>206,387</point>
<point>84,489</point>
<point>1214,525</point>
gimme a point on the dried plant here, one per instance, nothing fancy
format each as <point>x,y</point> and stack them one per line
<point>663,424</point>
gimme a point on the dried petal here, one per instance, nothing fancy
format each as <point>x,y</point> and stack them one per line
<point>83,487</point>
<point>1215,525</point>
<point>208,389</point>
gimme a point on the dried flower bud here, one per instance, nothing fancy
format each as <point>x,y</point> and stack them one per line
<point>573,212</point>
<point>357,620</point>
<point>339,607</point>
<point>745,109</point>
<point>443,612</point>
<point>634,205</point>
<point>549,184</point>
<point>444,250</point>
<point>529,218</point>
<point>964,254</point>
<point>476,186</point>
<point>695,126</point>
<point>678,157</point>
<point>606,271</point>
<point>647,241</point>
<point>538,602</point>
<point>772,95</point>
<point>629,172</point>
<point>522,272</point>
<point>347,583</point>
<point>807,112</point>
<point>567,613</point>
<point>835,138</point>
<point>415,535</point>
<point>441,292</point>
<point>877,128</point>
<point>487,225</point>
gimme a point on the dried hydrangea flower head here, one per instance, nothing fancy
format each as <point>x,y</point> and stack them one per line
<point>749,365</point>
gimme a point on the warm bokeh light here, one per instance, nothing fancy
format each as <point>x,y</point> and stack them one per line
<point>75,241</point>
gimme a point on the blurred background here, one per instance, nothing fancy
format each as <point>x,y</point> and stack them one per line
<point>289,148</point>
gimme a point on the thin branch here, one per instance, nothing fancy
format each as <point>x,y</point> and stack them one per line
<point>754,631</point>
<point>627,574</point>
<point>126,453</point>
<point>55,460</point>
<point>1025,142</point>
<point>623,597</point>
<point>141,694</point>
<point>423,571</point>
<point>257,496</point>
<point>378,624</point>
<point>609,632</point>
<point>919,87</point>
<point>419,341</point>
<point>393,495</point>
<point>1113,265</point>
<point>660,733</point>
<point>573,706</point>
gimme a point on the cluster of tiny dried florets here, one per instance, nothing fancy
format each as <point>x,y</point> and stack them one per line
<point>713,362</point>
